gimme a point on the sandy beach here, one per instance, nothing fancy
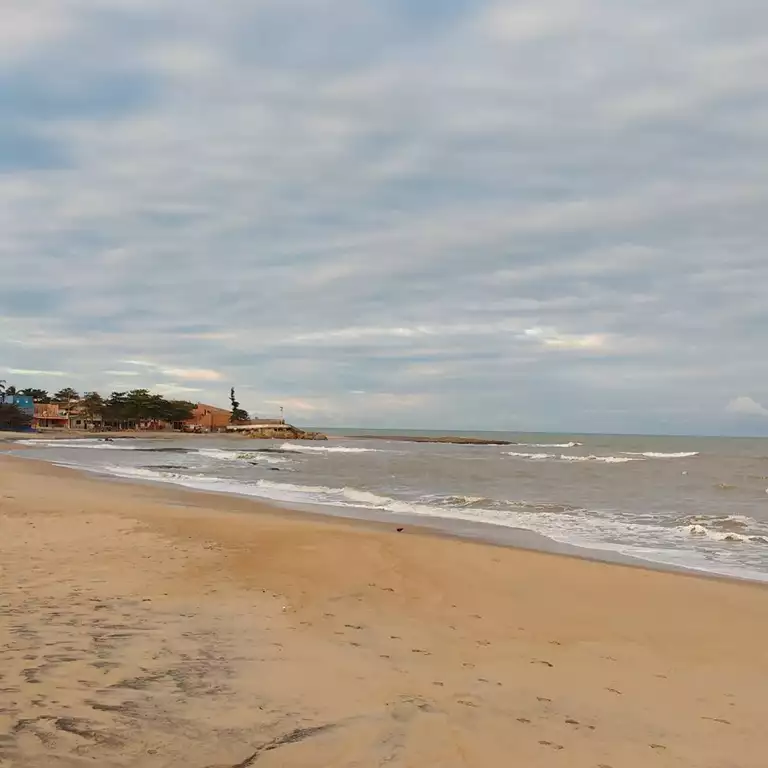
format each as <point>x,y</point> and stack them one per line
<point>145,626</point>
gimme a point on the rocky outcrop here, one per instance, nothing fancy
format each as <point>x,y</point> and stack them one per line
<point>283,432</point>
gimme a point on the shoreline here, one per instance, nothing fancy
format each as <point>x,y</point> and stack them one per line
<point>149,626</point>
<point>486,533</point>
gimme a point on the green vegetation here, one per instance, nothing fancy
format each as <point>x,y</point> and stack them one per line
<point>38,395</point>
<point>66,396</point>
<point>12,417</point>
<point>122,409</point>
<point>139,406</point>
<point>238,414</point>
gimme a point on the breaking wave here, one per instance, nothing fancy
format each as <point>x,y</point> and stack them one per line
<point>697,529</point>
<point>566,457</point>
<point>549,445</point>
<point>92,443</point>
<point>252,457</point>
<point>296,448</point>
<point>657,455</point>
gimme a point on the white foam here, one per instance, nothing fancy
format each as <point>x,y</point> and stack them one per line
<point>549,445</point>
<point>567,457</point>
<point>657,455</point>
<point>297,448</point>
<point>220,454</point>
<point>92,443</point>
<point>604,459</point>
<point>696,529</point>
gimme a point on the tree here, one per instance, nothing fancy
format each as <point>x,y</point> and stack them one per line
<point>12,417</point>
<point>92,405</point>
<point>238,414</point>
<point>174,411</point>
<point>66,396</point>
<point>10,391</point>
<point>38,395</point>
<point>129,409</point>
<point>114,408</point>
<point>2,387</point>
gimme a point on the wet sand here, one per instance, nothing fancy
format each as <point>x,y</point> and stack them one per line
<point>145,626</point>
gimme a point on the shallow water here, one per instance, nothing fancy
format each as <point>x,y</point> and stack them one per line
<point>685,501</point>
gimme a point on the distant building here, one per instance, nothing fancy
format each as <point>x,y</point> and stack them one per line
<point>22,402</point>
<point>79,418</point>
<point>50,416</point>
<point>207,418</point>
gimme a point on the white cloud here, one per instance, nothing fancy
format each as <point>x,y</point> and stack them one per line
<point>28,24</point>
<point>747,406</point>
<point>193,374</point>
<point>549,337</point>
<point>175,389</point>
<point>527,21</point>
<point>33,372</point>
<point>122,373</point>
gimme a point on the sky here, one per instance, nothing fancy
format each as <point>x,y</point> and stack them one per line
<point>440,214</point>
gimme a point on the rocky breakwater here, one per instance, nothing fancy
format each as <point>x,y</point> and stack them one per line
<point>282,432</point>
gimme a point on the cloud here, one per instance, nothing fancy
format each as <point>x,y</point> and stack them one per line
<point>174,389</point>
<point>549,337</point>
<point>492,214</point>
<point>194,374</point>
<point>28,372</point>
<point>747,406</point>
<point>122,373</point>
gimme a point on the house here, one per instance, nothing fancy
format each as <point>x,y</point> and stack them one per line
<point>50,416</point>
<point>207,418</point>
<point>80,418</point>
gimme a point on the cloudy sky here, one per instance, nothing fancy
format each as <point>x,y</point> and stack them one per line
<point>436,214</point>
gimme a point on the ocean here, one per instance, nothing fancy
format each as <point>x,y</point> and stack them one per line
<point>691,502</point>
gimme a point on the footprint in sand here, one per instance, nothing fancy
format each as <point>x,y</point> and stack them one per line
<point>551,744</point>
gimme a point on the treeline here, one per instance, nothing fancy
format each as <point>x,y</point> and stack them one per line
<point>138,405</point>
<point>63,396</point>
<point>133,407</point>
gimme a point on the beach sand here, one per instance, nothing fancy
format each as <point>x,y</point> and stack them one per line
<point>145,626</point>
